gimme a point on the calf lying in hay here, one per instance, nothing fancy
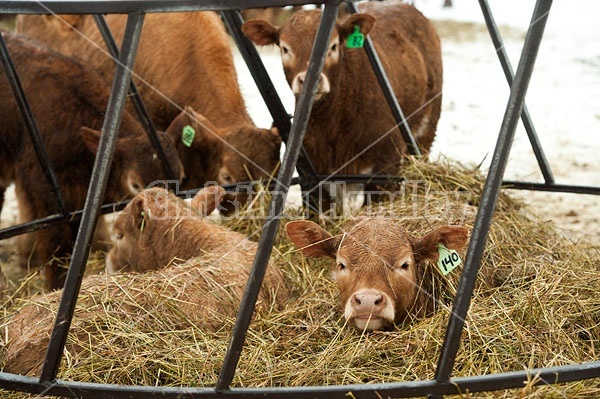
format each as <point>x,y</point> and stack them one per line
<point>536,304</point>
<point>154,229</point>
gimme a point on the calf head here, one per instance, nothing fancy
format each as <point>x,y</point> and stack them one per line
<point>228,155</point>
<point>143,233</point>
<point>295,39</point>
<point>135,163</point>
<point>376,265</point>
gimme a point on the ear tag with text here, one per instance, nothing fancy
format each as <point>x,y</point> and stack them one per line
<point>355,39</point>
<point>187,135</point>
<point>448,260</point>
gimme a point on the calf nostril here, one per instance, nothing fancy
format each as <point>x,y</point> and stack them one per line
<point>357,300</point>
<point>379,300</point>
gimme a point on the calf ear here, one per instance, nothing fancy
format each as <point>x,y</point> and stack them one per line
<point>261,32</point>
<point>364,21</point>
<point>137,214</point>
<point>311,239</point>
<point>91,138</point>
<point>207,199</point>
<point>452,237</point>
<point>188,117</point>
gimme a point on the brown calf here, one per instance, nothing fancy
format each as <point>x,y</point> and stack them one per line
<point>184,59</point>
<point>154,229</point>
<point>377,266</point>
<point>351,129</point>
<point>68,101</point>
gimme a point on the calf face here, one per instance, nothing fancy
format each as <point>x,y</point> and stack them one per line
<point>135,163</point>
<point>295,39</point>
<point>376,265</point>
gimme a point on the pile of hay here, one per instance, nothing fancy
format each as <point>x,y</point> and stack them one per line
<point>536,304</point>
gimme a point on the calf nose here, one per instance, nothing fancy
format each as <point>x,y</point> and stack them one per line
<point>298,82</point>
<point>368,302</point>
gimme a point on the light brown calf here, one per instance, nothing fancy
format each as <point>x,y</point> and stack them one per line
<point>155,229</point>
<point>351,129</point>
<point>377,266</point>
<point>184,59</point>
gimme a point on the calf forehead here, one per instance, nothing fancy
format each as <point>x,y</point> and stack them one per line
<point>300,30</point>
<point>374,241</point>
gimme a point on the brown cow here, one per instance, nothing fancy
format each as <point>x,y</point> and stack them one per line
<point>184,59</point>
<point>154,229</point>
<point>377,266</point>
<point>68,101</point>
<point>351,129</point>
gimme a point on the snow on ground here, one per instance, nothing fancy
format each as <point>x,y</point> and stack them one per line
<point>563,99</point>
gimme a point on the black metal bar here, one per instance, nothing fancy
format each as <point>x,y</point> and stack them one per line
<point>388,91</point>
<point>491,190</point>
<point>281,119</point>
<point>556,188</point>
<point>482,383</point>
<point>145,6</point>
<point>136,99</point>
<point>508,73</point>
<point>265,246</point>
<point>98,182</point>
<point>34,133</point>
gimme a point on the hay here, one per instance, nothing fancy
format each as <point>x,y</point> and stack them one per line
<point>536,304</point>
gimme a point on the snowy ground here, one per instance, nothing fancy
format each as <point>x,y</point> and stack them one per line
<point>563,100</point>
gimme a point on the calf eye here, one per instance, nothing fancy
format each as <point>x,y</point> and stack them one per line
<point>284,50</point>
<point>118,236</point>
<point>334,47</point>
<point>405,265</point>
<point>226,178</point>
<point>341,266</point>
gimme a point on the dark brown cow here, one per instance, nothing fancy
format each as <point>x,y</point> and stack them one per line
<point>184,59</point>
<point>377,266</point>
<point>68,101</point>
<point>351,129</point>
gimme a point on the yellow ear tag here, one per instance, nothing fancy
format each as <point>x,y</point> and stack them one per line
<point>355,39</point>
<point>448,260</point>
<point>187,135</point>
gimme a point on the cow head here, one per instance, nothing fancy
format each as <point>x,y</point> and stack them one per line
<point>135,163</point>
<point>376,265</point>
<point>295,40</point>
<point>227,155</point>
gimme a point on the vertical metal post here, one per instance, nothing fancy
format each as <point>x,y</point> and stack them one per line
<point>301,115</point>
<point>388,91</point>
<point>491,190</point>
<point>93,202</point>
<point>34,133</point>
<point>508,73</point>
<point>136,99</point>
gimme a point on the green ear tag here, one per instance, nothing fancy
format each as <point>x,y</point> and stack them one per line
<point>448,260</point>
<point>187,135</point>
<point>355,39</point>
